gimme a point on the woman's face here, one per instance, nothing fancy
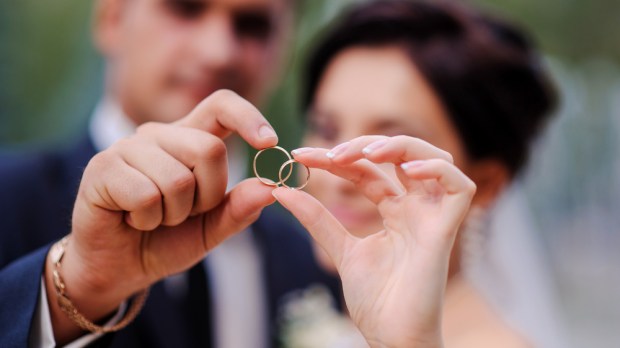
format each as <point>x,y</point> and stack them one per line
<point>372,90</point>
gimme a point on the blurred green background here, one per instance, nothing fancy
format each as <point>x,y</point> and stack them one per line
<point>50,79</point>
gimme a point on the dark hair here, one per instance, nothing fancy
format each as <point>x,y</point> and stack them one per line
<point>484,70</point>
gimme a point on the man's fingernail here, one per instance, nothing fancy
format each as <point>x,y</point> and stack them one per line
<point>373,146</point>
<point>412,164</point>
<point>337,150</point>
<point>266,132</point>
<point>302,150</point>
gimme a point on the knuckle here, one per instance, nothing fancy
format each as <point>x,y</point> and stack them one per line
<point>100,162</point>
<point>437,163</point>
<point>221,97</point>
<point>149,197</point>
<point>223,93</point>
<point>148,128</point>
<point>122,145</point>
<point>403,138</point>
<point>210,197</point>
<point>448,156</point>
<point>100,159</point>
<point>411,144</point>
<point>415,141</point>
<point>182,181</point>
<point>471,187</point>
<point>217,102</point>
<point>147,225</point>
<point>211,148</point>
<point>176,219</point>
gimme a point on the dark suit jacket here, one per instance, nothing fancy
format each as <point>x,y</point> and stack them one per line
<point>37,192</point>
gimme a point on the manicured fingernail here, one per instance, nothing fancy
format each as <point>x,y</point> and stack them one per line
<point>267,180</point>
<point>412,164</point>
<point>266,132</point>
<point>372,147</point>
<point>302,150</point>
<point>337,150</point>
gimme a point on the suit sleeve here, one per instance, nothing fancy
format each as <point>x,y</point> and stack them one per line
<point>20,284</point>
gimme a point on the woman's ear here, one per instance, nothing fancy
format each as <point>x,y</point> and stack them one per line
<point>106,25</point>
<point>490,176</point>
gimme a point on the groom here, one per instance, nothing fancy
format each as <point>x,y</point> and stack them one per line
<point>163,57</point>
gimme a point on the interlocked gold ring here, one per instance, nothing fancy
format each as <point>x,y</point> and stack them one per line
<point>290,163</point>
<point>263,180</point>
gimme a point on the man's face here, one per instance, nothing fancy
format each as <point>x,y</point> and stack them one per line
<point>164,56</point>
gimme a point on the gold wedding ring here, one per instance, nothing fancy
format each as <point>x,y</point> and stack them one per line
<point>264,180</point>
<point>288,163</point>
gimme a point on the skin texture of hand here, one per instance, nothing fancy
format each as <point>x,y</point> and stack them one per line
<point>394,279</point>
<point>154,204</point>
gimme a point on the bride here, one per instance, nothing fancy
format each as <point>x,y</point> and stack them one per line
<point>413,74</point>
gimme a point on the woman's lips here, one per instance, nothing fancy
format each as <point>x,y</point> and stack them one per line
<point>352,218</point>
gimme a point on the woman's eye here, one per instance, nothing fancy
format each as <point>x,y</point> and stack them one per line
<point>186,9</point>
<point>323,131</point>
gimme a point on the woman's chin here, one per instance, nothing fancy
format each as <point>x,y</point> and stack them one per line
<point>354,221</point>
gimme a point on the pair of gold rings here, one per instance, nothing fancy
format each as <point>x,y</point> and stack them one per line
<point>289,163</point>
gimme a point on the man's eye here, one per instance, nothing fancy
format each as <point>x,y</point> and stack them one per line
<point>253,25</point>
<point>186,9</point>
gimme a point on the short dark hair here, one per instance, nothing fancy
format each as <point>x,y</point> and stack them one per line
<point>484,70</point>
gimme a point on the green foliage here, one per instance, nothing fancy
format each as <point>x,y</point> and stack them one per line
<point>51,76</point>
<point>570,29</point>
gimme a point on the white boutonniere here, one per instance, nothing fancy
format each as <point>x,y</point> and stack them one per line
<point>309,319</point>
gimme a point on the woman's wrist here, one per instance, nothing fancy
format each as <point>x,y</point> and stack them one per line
<point>409,343</point>
<point>409,337</point>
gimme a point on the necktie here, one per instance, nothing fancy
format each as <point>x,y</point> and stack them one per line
<point>198,306</point>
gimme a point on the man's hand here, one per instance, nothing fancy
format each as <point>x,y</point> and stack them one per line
<point>154,204</point>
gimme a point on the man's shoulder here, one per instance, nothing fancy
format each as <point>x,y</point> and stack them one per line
<point>19,165</point>
<point>37,191</point>
<point>27,169</point>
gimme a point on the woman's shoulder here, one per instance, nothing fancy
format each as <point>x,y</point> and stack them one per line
<point>470,321</point>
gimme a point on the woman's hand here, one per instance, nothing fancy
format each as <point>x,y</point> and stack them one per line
<point>394,279</point>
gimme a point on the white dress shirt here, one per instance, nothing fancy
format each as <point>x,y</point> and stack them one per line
<point>235,270</point>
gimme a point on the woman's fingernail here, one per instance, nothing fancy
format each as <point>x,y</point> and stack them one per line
<point>302,150</point>
<point>266,132</point>
<point>372,147</point>
<point>337,150</point>
<point>412,164</point>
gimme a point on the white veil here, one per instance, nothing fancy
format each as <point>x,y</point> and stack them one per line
<point>513,274</point>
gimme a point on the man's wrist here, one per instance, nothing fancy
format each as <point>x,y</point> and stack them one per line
<point>94,301</point>
<point>87,285</point>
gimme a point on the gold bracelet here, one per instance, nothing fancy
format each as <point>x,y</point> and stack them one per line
<point>57,252</point>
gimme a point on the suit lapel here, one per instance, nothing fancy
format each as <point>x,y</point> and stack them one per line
<point>288,261</point>
<point>173,321</point>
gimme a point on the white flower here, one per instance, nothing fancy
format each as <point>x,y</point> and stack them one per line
<point>309,320</point>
